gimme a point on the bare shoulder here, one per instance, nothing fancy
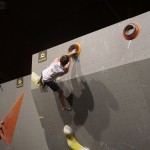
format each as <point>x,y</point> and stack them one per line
<point>57,59</point>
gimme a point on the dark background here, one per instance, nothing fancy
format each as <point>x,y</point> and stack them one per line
<point>30,26</point>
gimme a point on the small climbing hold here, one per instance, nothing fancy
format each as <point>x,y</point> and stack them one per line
<point>75,47</point>
<point>72,142</point>
<point>131,31</point>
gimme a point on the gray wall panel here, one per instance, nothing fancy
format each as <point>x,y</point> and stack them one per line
<point>28,132</point>
<point>104,49</point>
<point>110,110</point>
<point>110,86</point>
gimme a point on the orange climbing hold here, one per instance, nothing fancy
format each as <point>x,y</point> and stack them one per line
<point>131,31</point>
<point>9,122</point>
<point>75,47</point>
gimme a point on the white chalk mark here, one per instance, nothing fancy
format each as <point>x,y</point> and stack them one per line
<point>129,43</point>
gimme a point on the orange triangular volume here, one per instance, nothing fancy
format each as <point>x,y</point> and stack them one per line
<point>10,120</point>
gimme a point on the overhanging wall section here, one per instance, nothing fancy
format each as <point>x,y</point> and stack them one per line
<point>103,49</point>
<point>110,86</point>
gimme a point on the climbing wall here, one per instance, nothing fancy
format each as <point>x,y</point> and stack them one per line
<point>107,87</point>
<point>110,90</point>
<point>28,133</point>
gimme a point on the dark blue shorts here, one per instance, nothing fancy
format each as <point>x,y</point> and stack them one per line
<point>53,85</point>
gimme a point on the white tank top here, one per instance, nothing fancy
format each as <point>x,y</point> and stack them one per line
<point>52,72</point>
